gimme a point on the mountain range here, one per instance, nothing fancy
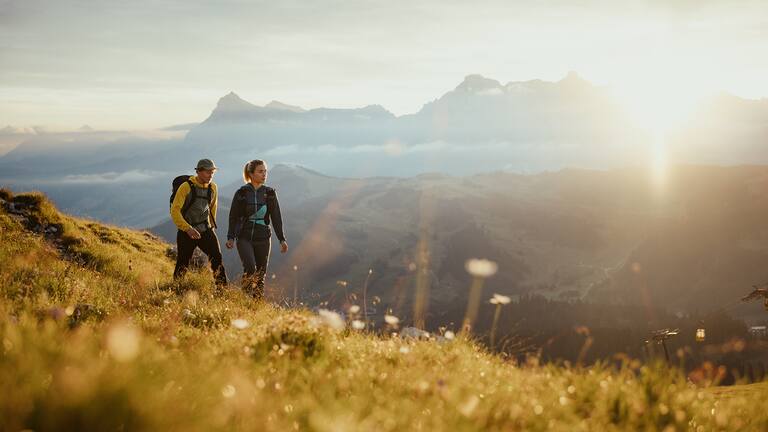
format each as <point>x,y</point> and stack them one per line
<point>481,125</point>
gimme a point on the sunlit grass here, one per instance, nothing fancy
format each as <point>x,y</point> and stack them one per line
<point>154,354</point>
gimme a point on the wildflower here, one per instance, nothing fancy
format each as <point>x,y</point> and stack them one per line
<point>449,335</point>
<point>331,319</point>
<point>123,342</point>
<point>354,309</point>
<point>240,323</point>
<point>391,320</point>
<point>358,325</point>
<point>481,267</point>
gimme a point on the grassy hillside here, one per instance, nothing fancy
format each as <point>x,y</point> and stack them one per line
<point>95,336</point>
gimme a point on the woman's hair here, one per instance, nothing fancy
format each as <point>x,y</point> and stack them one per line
<point>249,168</point>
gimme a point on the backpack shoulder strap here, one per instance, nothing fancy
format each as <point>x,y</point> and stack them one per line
<point>190,197</point>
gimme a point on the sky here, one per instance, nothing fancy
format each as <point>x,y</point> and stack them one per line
<point>142,65</point>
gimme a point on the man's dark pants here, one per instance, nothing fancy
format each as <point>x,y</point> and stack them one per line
<point>209,244</point>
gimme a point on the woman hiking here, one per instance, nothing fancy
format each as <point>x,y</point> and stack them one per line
<point>254,206</point>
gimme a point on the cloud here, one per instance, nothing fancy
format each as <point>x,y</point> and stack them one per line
<point>134,176</point>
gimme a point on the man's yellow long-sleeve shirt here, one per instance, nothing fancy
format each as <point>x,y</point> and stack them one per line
<point>181,196</point>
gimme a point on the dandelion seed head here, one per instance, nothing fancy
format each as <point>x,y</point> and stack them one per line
<point>358,325</point>
<point>370,271</point>
<point>391,320</point>
<point>240,323</point>
<point>500,299</point>
<point>481,267</point>
<point>449,335</point>
<point>295,267</point>
<point>228,391</point>
<point>123,342</point>
<point>354,309</point>
<point>331,319</point>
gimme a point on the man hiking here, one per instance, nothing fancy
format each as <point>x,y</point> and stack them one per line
<point>193,210</point>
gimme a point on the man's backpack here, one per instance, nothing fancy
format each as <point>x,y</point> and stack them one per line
<point>180,180</point>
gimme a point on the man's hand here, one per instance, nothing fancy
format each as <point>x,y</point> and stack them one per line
<point>230,244</point>
<point>283,247</point>
<point>193,234</point>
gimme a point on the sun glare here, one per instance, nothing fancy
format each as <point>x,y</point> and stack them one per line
<point>659,104</point>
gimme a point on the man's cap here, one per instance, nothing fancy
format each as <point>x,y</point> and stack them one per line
<point>205,164</point>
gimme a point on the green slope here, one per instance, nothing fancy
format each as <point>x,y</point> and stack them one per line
<point>95,336</point>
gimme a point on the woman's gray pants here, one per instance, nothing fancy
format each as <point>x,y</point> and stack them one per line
<point>254,255</point>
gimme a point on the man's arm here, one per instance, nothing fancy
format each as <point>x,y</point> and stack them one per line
<point>178,203</point>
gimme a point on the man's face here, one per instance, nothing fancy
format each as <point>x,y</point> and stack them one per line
<point>205,176</point>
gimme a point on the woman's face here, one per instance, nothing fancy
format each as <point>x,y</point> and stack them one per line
<point>259,175</point>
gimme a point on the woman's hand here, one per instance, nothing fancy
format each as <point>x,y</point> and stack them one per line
<point>230,244</point>
<point>283,247</point>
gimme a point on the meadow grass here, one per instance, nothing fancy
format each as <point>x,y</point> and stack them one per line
<point>97,336</point>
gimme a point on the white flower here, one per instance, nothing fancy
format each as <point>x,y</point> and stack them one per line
<point>500,299</point>
<point>449,335</point>
<point>331,319</point>
<point>240,323</point>
<point>358,325</point>
<point>391,320</point>
<point>354,309</point>
<point>481,267</point>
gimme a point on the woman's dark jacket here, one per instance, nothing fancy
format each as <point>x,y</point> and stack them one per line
<point>246,202</point>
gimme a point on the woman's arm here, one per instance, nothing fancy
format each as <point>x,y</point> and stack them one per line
<point>274,211</point>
